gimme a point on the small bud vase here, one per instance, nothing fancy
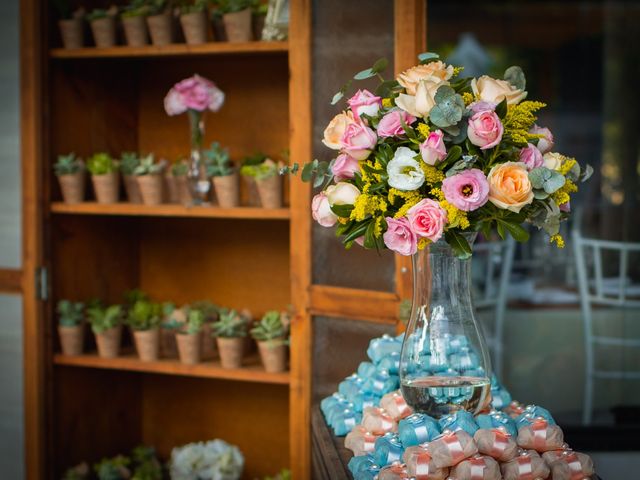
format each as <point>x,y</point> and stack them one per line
<point>198,180</point>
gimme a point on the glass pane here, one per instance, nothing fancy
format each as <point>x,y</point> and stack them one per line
<point>346,39</point>
<point>581,58</point>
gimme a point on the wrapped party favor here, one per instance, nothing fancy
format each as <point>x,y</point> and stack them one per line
<point>366,369</point>
<point>464,360</point>
<point>360,441</point>
<point>530,413</point>
<point>514,409</point>
<point>363,400</point>
<point>496,443</point>
<point>380,383</point>
<point>396,471</point>
<point>331,401</point>
<point>351,385</point>
<point>360,463</point>
<point>478,467</point>
<point>388,449</point>
<point>451,448</point>
<point>528,465</point>
<point>390,363</point>
<point>496,419</point>
<point>500,398</point>
<point>569,465</point>
<point>382,346</point>
<point>343,422</point>
<point>338,409</point>
<point>378,421</point>
<point>395,405</point>
<point>540,436</point>
<point>369,473</point>
<point>420,465</point>
<point>417,428</point>
<point>459,420</point>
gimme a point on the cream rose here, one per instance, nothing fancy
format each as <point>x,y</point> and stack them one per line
<point>342,193</point>
<point>493,90</point>
<point>509,186</point>
<point>336,128</point>
<point>409,79</point>
<point>420,104</point>
<point>552,160</point>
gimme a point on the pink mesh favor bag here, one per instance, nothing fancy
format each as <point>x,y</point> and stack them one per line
<point>496,443</point>
<point>395,471</point>
<point>478,467</point>
<point>451,448</point>
<point>396,406</point>
<point>528,465</point>
<point>540,436</point>
<point>420,465</point>
<point>378,421</point>
<point>569,465</point>
<point>360,441</point>
<point>514,409</point>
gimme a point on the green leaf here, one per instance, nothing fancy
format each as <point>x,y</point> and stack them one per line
<point>518,233</point>
<point>427,57</point>
<point>500,228</point>
<point>385,88</point>
<point>380,65</point>
<point>449,107</point>
<point>357,232</point>
<point>342,211</point>
<point>546,179</point>
<point>369,237</point>
<point>364,74</point>
<point>501,108</point>
<point>586,174</point>
<point>307,171</point>
<point>515,76</point>
<point>336,98</point>
<point>458,243</point>
<point>454,154</point>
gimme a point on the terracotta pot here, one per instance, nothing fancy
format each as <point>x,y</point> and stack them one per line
<point>274,355</point>
<point>109,342</point>
<point>106,187</point>
<point>208,344</point>
<point>237,25</point>
<point>72,32</point>
<point>231,351</point>
<point>147,344</point>
<point>71,339</point>
<point>189,348</point>
<point>227,190</point>
<point>184,192</point>
<point>104,32</point>
<point>151,188</point>
<point>171,189</point>
<point>270,191</point>
<point>132,188</point>
<point>218,29</point>
<point>257,25</point>
<point>160,28</point>
<point>168,346</point>
<point>135,31</point>
<point>194,27</point>
<point>72,186</point>
<point>251,190</point>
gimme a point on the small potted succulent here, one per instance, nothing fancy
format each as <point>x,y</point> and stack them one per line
<point>268,181</point>
<point>133,21</point>
<point>145,464</point>
<point>129,161</point>
<point>159,21</point>
<point>172,320</point>
<point>116,468</point>
<point>179,172</point>
<point>71,326</point>
<point>236,15</point>
<point>70,24</point>
<point>270,334</point>
<point>193,18</point>
<point>188,338</point>
<point>230,332</point>
<point>258,15</point>
<point>104,176</point>
<point>70,172</point>
<point>78,472</point>
<point>144,319</point>
<point>103,26</point>
<point>106,323</point>
<point>209,315</point>
<point>224,176</point>
<point>150,180</point>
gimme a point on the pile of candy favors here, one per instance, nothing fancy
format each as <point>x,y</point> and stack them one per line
<point>390,442</point>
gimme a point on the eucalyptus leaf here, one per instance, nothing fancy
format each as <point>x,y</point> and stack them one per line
<point>336,98</point>
<point>586,174</point>
<point>449,107</point>
<point>540,194</point>
<point>515,76</point>
<point>364,74</point>
<point>546,179</point>
<point>427,57</point>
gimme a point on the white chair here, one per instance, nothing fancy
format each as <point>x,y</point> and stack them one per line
<point>595,289</point>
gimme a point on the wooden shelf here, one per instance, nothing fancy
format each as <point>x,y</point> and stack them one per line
<point>169,210</point>
<point>252,370</point>
<point>178,49</point>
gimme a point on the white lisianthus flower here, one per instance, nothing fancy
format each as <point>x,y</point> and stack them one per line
<point>404,170</point>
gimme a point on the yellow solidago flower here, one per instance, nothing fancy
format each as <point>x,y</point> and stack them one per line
<point>558,240</point>
<point>377,228</point>
<point>423,242</point>
<point>423,129</point>
<point>367,205</point>
<point>386,103</point>
<point>561,196</point>
<point>455,216</point>
<point>567,165</point>
<point>457,70</point>
<point>468,98</point>
<point>437,193</point>
<point>519,119</point>
<point>431,174</point>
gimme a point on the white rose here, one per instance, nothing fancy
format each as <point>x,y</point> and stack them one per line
<point>342,193</point>
<point>421,104</point>
<point>404,170</point>
<point>493,90</point>
<point>552,160</point>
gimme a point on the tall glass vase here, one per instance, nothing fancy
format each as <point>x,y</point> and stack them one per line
<point>444,364</point>
<point>198,179</point>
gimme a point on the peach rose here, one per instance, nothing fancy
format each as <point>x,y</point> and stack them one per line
<point>509,186</point>
<point>493,90</point>
<point>420,104</point>
<point>336,128</point>
<point>409,79</point>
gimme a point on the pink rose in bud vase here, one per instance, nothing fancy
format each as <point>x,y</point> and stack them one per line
<point>468,190</point>
<point>427,219</point>
<point>531,157</point>
<point>391,124</point>
<point>193,93</point>
<point>358,140</point>
<point>364,103</point>
<point>399,236</point>
<point>321,211</point>
<point>482,106</point>
<point>433,149</point>
<point>545,144</point>
<point>344,167</point>
<point>485,129</point>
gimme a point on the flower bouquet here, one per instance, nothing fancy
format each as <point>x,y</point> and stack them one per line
<point>433,154</point>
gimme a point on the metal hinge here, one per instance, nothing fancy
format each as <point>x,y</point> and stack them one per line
<point>42,283</point>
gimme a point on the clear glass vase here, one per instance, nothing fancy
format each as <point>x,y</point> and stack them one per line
<point>444,364</point>
<point>199,183</point>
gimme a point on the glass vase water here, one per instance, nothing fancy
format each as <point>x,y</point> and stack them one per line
<point>199,183</point>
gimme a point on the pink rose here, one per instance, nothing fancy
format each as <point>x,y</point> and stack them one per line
<point>482,106</point>
<point>433,149</point>
<point>344,167</point>
<point>427,219</point>
<point>545,144</point>
<point>358,140</point>
<point>364,103</point>
<point>565,207</point>
<point>391,124</point>
<point>321,211</point>
<point>485,129</point>
<point>194,93</point>
<point>399,237</point>
<point>531,157</point>
<point>468,190</point>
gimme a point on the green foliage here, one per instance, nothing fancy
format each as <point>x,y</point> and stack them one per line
<point>156,7</point>
<point>113,468</point>
<point>132,296</point>
<point>129,162</point>
<point>70,314</point>
<point>217,161</point>
<point>101,164</point>
<point>232,6</point>
<point>97,14</point>
<point>448,109</point>
<point>515,76</point>
<point>376,70</point>
<point>67,164</point>
<point>427,57</point>
<point>144,315</point>
<point>148,166</point>
<point>543,178</point>
<point>79,472</point>
<point>145,464</point>
<point>104,318</point>
<point>180,168</point>
<point>259,8</point>
<point>136,8</point>
<point>284,474</point>
<point>208,309</point>
<point>194,323</point>
<point>193,6</point>
<point>230,325</point>
<point>268,168</point>
<point>270,327</point>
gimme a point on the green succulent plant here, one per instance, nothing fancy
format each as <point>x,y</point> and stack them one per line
<point>113,468</point>
<point>132,296</point>
<point>194,6</point>
<point>148,166</point>
<point>208,309</point>
<point>104,318</point>
<point>217,161</point>
<point>129,161</point>
<point>194,323</point>
<point>79,472</point>
<point>101,164</point>
<point>145,464</point>
<point>230,325</point>
<point>180,168</point>
<point>284,474</point>
<point>97,14</point>
<point>260,171</point>
<point>270,327</point>
<point>232,6</point>
<point>70,314</point>
<point>156,7</point>
<point>68,164</point>
<point>136,8</point>
<point>259,8</point>
<point>144,315</point>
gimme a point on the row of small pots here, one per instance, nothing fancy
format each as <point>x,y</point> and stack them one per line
<point>191,349</point>
<point>233,27</point>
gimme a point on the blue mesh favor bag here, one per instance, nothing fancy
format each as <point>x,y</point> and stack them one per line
<point>417,428</point>
<point>460,420</point>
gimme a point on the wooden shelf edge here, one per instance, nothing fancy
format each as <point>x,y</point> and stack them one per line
<point>177,49</point>
<point>252,372</point>
<point>169,210</point>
